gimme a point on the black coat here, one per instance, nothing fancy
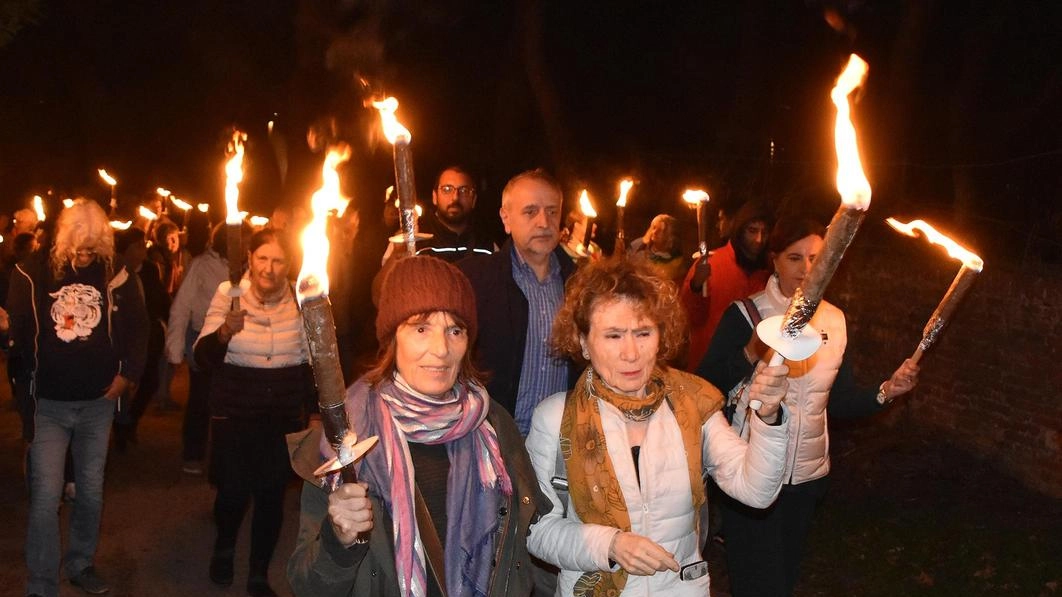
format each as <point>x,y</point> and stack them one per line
<point>28,304</point>
<point>501,308</point>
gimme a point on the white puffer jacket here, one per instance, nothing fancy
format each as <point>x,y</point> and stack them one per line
<point>272,334</point>
<point>810,382</point>
<point>661,507</point>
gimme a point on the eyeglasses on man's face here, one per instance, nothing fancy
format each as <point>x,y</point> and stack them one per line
<point>463,191</point>
<point>85,253</point>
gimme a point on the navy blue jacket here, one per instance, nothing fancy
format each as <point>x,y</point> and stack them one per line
<point>501,308</point>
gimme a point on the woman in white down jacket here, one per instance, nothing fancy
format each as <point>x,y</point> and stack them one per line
<point>633,440</point>
<point>261,388</point>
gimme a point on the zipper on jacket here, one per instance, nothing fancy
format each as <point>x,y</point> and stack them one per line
<point>36,341</point>
<point>796,446</point>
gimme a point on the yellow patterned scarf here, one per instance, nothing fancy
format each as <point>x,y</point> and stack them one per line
<point>593,487</point>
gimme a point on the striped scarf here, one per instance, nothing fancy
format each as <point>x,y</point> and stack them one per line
<point>457,419</point>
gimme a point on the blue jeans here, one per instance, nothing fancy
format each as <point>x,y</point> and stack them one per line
<point>85,427</point>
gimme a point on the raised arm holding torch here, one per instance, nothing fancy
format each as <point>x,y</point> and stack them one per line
<point>110,180</point>
<point>405,185</point>
<point>319,324</point>
<point>699,199</point>
<point>589,213</point>
<point>38,207</point>
<point>789,335</point>
<point>621,206</point>
<point>233,217</point>
<point>971,266</point>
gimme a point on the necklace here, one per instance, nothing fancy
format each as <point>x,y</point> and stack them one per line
<point>638,414</point>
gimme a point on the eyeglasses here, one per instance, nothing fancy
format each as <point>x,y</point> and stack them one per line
<point>463,191</point>
<point>85,252</point>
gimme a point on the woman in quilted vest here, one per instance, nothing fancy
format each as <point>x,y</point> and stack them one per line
<point>633,440</point>
<point>764,546</point>
<point>262,388</point>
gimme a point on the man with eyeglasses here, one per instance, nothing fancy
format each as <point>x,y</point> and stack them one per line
<point>452,224</point>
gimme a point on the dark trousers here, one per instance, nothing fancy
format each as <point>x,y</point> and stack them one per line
<point>196,425</point>
<point>764,547</point>
<point>250,461</point>
<point>134,407</point>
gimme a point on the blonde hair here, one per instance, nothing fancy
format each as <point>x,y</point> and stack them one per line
<point>83,224</point>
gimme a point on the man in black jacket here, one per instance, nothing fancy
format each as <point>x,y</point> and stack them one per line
<point>518,291</point>
<point>452,223</point>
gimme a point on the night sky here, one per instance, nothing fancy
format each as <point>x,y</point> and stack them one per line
<point>960,116</point>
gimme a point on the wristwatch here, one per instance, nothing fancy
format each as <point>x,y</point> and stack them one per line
<point>882,397</point>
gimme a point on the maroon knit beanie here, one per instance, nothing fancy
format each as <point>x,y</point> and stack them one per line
<point>424,284</point>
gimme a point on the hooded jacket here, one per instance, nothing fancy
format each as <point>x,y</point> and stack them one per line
<point>34,303</point>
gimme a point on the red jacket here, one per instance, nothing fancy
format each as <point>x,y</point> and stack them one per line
<point>726,284</point>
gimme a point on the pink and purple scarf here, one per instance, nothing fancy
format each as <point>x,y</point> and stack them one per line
<point>457,419</point>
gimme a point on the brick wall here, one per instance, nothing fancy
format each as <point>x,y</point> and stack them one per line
<point>993,382</point>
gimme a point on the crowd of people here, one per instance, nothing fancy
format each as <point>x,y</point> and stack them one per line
<point>550,420</point>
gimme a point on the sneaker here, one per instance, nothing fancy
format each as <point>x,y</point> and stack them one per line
<point>89,582</point>
<point>192,467</point>
<point>258,586</point>
<point>221,569</point>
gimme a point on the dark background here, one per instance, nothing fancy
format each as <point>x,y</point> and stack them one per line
<point>959,120</point>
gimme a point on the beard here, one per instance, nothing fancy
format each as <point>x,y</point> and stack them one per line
<point>454,218</point>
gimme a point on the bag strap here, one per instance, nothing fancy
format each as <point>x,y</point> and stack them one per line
<point>754,313</point>
<point>433,549</point>
<point>559,481</point>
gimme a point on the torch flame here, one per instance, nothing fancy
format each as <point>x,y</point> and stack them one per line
<point>180,203</point>
<point>695,196</point>
<point>147,213</point>
<point>68,202</point>
<point>585,206</point>
<point>203,207</point>
<point>163,192</point>
<point>121,225</point>
<point>233,177</point>
<point>107,178</point>
<point>38,206</point>
<point>393,130</point>
<point>625,187</point>
<point>313,279</point>
<point>968,258</point>
<point>259,221</point>
<point>852,183</point>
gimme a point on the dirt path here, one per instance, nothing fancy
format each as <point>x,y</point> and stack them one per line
<point>158,529</point>
<point>905,515</point>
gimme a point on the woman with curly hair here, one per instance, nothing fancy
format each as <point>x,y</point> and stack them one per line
<point>622,454</point>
